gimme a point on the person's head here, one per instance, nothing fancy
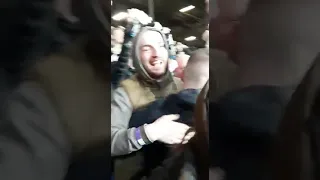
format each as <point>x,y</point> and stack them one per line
<point>117,35</point>
<point>224,23</point>
<point>182,59</point>
<point>151,51</point>
<point>196,73</point>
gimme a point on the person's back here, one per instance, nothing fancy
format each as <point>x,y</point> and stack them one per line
<point>275,50</point>
<point>52,115</point>
<point>243,124</point>
<point>63,110</point>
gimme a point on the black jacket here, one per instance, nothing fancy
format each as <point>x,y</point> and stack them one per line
<point>242,128</point>
<point>182,103</point>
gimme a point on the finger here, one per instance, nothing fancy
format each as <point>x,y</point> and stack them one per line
<point>171,117</point>
<point>187,138</point>
<point>180,138</point>
<point>185,142</point>
<point>180,135</point>
<point>176,140</point>
<point>180,126</point>
<point>190,135</point>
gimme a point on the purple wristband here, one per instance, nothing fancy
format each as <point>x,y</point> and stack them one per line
<point>139,137</point>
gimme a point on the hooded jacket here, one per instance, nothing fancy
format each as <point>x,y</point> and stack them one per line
<point>135,93</point>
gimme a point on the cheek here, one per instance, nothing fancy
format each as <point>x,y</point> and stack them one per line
<point>144,57</point>
<point>165,62</point>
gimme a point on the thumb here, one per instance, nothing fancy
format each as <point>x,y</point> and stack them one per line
<point>171,117</point>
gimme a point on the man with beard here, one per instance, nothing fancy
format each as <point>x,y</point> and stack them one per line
<point>152,81</point>
<point>274,43</point>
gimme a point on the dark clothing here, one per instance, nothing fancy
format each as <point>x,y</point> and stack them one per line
<point>181,103</point>
<point>242,127</point>
<point>90,168</point>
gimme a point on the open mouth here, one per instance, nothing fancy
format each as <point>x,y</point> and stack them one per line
<point>156,63</point>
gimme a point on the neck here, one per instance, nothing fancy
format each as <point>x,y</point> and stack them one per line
<point>192,86</point>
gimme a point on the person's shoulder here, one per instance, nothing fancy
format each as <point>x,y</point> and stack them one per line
<point>178,82</point>
<point>119,92</point>
<point>220,59</point>
<point>201,51</point>
<point>28,89</point>
<point>121,98</point>
<point>29,93</point>
<point>131,82</point>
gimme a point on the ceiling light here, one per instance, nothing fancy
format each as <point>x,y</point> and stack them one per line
<point>120,16</point>
<point>188,8</point>
<point>111,3</point>
<point>191,38</point>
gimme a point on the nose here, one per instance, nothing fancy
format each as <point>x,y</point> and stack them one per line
<point>155,52</point>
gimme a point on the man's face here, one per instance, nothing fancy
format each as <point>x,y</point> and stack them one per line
<point>153,54</point>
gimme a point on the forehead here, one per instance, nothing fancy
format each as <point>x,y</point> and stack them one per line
<point>150,37</point>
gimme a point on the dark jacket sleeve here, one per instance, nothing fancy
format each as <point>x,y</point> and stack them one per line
<point>148,114</point>
<point>173,104</point>
<point>33,145</point>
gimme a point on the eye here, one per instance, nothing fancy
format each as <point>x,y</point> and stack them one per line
<point>146,48</point>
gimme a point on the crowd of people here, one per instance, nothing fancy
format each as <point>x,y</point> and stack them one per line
<point>245,106</point>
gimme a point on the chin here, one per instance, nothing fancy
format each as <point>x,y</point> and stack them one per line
<point>156,75</point>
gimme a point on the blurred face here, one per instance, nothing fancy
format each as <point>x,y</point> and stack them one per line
<point>153,54</point>
<point>118,36</point>
<point>224,20</point>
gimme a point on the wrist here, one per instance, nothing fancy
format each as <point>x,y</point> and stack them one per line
<point>150,132</point>
<point>141,136</point>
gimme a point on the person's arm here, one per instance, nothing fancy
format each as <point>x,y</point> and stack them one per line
<point>124,140</point>
<point>33,145</point>
<point>147,115</point>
